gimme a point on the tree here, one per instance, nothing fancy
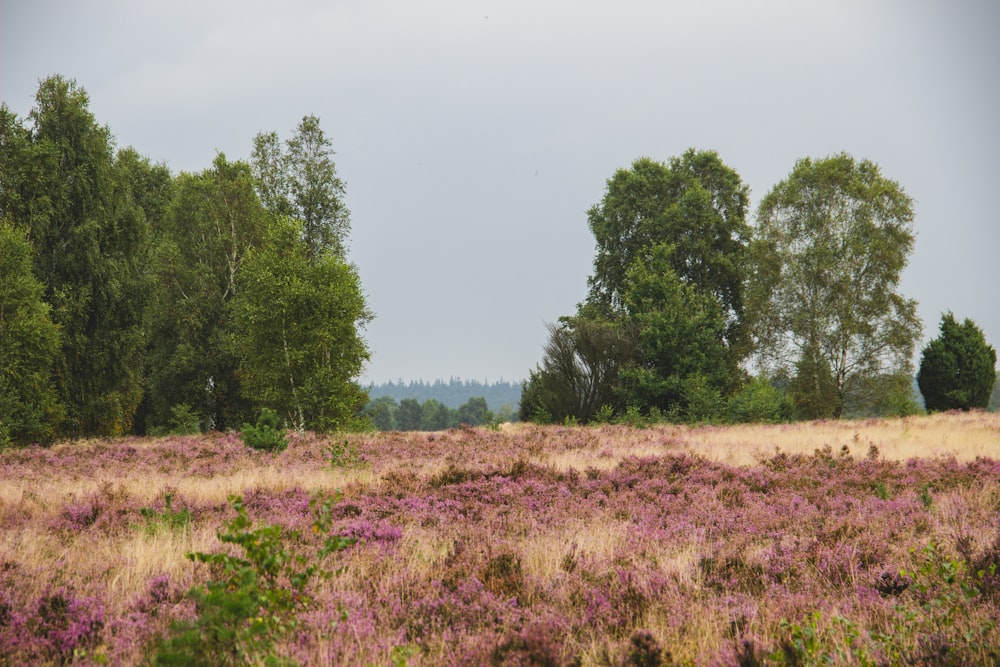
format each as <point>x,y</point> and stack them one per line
<point>90,239</point>
<point>434,416</point>
<point>295,331</point>
<point>474,412</point>
<point>382,413</point>
<point>680,337</point>
<point>302,182</point>
<point>29,346</point>
<point>958,368</point>
<point>213,221</point>
<point>831,242</point>
<point>694,203</point>
<point>579,373</point>
<point>409,414</point>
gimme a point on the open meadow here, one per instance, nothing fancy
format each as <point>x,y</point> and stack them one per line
<point>852,542</point>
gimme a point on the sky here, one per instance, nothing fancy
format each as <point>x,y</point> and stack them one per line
<point>473,135</point>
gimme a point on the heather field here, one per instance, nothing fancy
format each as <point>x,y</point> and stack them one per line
<point>874,542</point>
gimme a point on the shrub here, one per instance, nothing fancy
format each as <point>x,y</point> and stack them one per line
<point>957,369</point>
<point>254,599</point>
<point>759,402</point>
<point>267,435</point>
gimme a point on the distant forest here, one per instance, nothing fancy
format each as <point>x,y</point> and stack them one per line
<point>453,393</point>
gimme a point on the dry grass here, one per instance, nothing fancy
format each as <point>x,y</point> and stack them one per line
<point>121,562</point>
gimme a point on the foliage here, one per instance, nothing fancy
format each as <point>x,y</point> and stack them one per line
<point>295,331</point>
<point>301,181</point>
<point>958,368</point>
<point>213,221</point>
<point>694,203</point>
<point>268,435</point>
<point>80,207</point>
<point>681,358</point>
<point>759,401</point>
<point>342,454</point>
<point>168,518</point>
<point>831,242</point>
<point>580,371</point>
<point>254,599</point>
<point>29,345</point>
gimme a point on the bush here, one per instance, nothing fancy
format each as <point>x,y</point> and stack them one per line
<point>267,435</point>
<point>958,368</point>
<point>254,600</point>
<point>759,402</point>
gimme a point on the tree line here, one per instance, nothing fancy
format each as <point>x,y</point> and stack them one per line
<point>409,414</point>
<point>452,393</point>
<point>131,297</point>
<point>692,314</point>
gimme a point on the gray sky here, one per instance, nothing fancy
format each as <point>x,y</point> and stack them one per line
<point>473,135</point>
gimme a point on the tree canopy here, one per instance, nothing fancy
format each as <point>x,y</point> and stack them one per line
<point>120,303</point>
<point>831,242</point>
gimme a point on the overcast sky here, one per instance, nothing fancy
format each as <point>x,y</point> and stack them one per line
<point>473,135</point>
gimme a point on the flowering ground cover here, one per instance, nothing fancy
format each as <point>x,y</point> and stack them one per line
<point>530,546</point>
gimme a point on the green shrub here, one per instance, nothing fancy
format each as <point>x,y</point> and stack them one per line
<point>169,518</point>
<point>267,435</point>
<point>254,600</point>
<point>759,402</point>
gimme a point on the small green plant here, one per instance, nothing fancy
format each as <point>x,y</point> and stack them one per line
<point>268,435</point>
<point>925,496</point>
<point>881,490</point>
<point>253,600</point>
<point>184,420</point>
<point>604,415</point>
<point>342,454</point>
<point>494,421</point>
<point>632,417</point>
<point>169,518</point>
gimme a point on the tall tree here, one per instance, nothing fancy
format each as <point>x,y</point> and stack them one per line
<point>680,333</point>
<point>90,240</point>
<point>830,244</point>
<point>213,221</point>
<point>29,346</point>
<point>301,181</point>
<point>958,368</point>
<point>295,330</point>
<point>695,203</point>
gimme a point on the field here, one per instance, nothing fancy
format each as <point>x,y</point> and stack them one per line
<point>874,542</point>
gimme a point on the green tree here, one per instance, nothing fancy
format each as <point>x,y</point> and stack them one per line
<point>694,203</point>
<point>680,337</point>
<point>579,373</point>
<point>90,239</point>
<point>213,221</point>
<point>301,181</point>
<point>958,368</point>
<point>831,242</point>
<point>296,322</point>
<point>434,415</point>
<point>29,346</point>
<point>382,412</point>
<point>409,415</point>
<point>474,412</point>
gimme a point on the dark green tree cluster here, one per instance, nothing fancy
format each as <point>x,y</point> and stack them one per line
<point>958,368</point>
<point>128,293</point>
<point>409,414</point>
<point>662,329</point>
<point>685,294</point>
